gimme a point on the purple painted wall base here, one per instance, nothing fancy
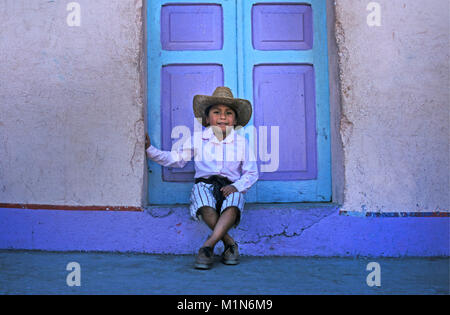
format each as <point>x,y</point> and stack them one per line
<point>282,230</point>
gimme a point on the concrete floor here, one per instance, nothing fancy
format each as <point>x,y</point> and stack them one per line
<point>29,272</point>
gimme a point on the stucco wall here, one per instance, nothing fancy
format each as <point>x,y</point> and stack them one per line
<point>395,105</point>
<point>71,103</point>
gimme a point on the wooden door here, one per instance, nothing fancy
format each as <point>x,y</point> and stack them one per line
<point>272,53</point>
<point>285,75</point>
<point>191,50</point>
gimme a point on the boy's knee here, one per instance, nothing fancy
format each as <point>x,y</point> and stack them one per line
<point>205,211</point>
<point>231,210</point>
<point>233,213</point>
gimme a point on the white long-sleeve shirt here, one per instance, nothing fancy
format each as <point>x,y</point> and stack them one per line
<point>231,158</point>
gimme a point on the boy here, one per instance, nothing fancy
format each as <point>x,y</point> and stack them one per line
<point>221,180</point>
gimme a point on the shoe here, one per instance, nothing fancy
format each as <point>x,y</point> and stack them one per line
<point>230,255</point>
<point>205,258</point>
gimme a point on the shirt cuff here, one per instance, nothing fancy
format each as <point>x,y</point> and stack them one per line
<point>151,151</point>
<point>239,187</point>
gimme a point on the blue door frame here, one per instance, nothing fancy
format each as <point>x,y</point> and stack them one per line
<point>238,58</point>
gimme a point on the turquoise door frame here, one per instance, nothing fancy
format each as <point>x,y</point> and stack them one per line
<point>238,59</point>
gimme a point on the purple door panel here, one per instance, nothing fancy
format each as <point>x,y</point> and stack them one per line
<point>191,27</point>
<point>284,97</point>
<point>282,27</point>
<point>179,85</point>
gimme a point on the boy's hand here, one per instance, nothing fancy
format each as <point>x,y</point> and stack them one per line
<point>147,141</point>
<point>227,190</point>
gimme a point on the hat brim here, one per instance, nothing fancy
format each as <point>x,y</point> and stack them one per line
<point>242,107</point>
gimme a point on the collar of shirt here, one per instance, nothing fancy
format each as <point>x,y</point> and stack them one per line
<point>208,134</point>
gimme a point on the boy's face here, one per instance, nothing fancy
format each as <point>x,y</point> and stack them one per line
<point>221,116</point>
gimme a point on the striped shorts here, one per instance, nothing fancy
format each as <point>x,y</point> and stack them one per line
<point>202,195</point>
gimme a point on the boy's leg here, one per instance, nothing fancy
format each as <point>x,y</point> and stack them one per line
<point>211,217</point>
<point>225,222</point>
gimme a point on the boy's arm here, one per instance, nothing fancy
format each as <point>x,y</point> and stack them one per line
<point>175,158</point>
<point>249,172</point>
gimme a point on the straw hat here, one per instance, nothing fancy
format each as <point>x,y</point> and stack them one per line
<point>222,96</point>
